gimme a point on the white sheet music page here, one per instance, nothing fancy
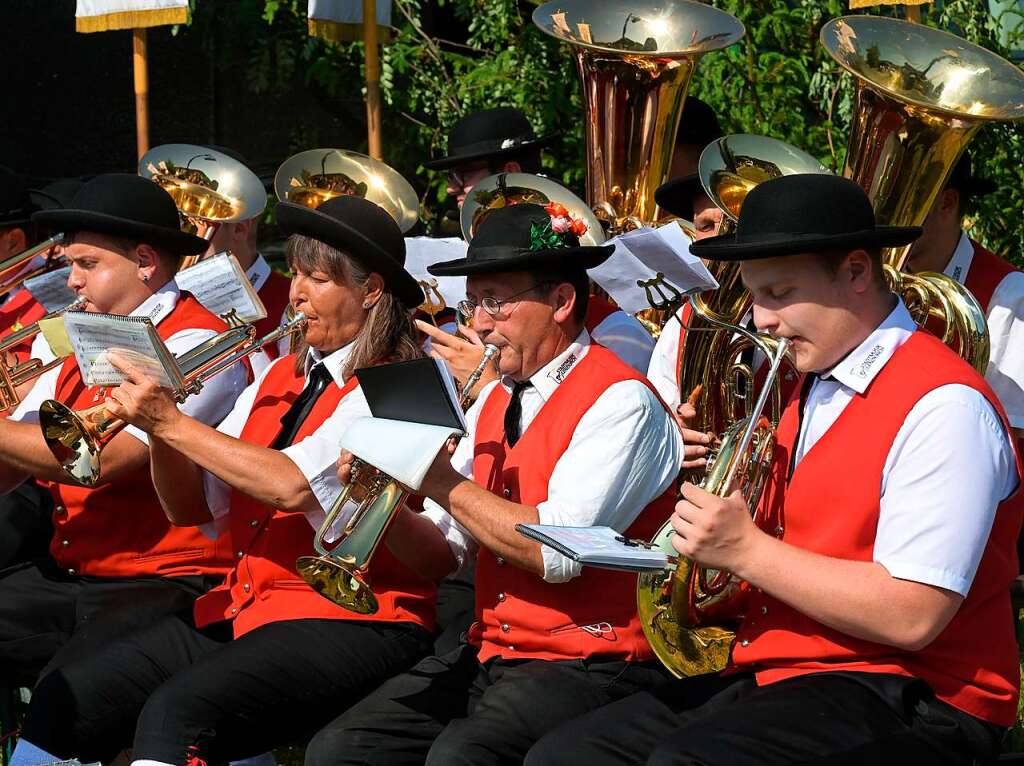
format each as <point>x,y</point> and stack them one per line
<point>596,546</point>
<point>93,335</point>
<point>220,284</point>
<point>51,289</point>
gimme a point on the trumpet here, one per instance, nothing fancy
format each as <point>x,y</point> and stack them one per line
<point>11,279</point>
<point>77,439</point>
<point>17,374</point>
<point>339,573</point>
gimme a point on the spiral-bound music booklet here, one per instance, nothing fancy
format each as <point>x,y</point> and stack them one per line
<point>220,284</point>
<point>51,289</point>
<point>601,547</point>
<point>93,335</point>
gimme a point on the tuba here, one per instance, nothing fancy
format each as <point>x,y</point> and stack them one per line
<point>922,94</point>
<point>312,177</point>
<point>685,612</point>
<point>636,61</point>
<point>76,439</point>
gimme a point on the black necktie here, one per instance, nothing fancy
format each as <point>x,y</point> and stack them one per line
<point>292,420</point>
<point>805,390</point>
<point>514,412</point>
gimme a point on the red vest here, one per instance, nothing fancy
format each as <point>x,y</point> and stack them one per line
<point>986,272</point>
<point>264,586</point>
<point>274,295</point>
<point>599,309</point>
<point>973,663</point>
<point>519,615</point>
<point>118,529</point>
<point>20,311</point>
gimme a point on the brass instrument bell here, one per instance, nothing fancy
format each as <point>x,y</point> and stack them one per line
<point>314,176</point>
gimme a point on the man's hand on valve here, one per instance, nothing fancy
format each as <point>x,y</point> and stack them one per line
<point>462,355</point>
<point>139,399</point>
<point>716,532</point>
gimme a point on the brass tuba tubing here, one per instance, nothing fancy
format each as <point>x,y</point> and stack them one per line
<point>77,439</point>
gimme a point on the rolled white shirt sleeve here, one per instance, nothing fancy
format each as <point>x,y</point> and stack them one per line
<point>949,467</point>
<point>218,394</point>
<point>625,452</point>
<point>1006,359</point>
<point>623,335</point>
<point>662,370</point>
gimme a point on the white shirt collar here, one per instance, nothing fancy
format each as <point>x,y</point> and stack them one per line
<point>858,368</point>
<point>548,377</point>
<point>159,305</point>
<point>960,263</point>
<point>334,362</point>
<point>258,273</point>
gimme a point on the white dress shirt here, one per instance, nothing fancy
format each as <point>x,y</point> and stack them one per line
<point>1005,318</point>
<point>315,456</point>
<point>663,370</point>
<point>258,275</point>
<point>949,466</point>
<point>625,451</point>
<point>623,335</point>
<point>209,405</point>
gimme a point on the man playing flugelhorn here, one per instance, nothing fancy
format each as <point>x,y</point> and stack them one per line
<point>264,659</point>
<point>112,544</point>
<point>878,627</point>
<point>570,435</point>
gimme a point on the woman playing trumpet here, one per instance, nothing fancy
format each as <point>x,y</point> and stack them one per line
<point>264,658</point>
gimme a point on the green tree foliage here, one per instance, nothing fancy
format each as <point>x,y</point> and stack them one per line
<point>777,81</point>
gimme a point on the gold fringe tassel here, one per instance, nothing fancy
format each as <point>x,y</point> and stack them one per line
<point>337,32</point>
<point>131,19</point>
<point>855,4</point>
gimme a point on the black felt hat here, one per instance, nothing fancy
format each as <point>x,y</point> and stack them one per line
<point>803,213</point>
<point>520,238</point>
<point>124,205</point>
<point>16,204</point>
<point>962,179</point>
<point>362,230</point>
<point>488,133</point>
<point>698,125</point>
<point>676,196</point>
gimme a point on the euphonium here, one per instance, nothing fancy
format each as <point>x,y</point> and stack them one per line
<point>339,572</point>
<point>15,375</point>
<point>636,60</point>
<point>77,439</point>
<point>922,94</point>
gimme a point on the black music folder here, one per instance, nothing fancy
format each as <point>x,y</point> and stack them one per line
<point>417,391</point>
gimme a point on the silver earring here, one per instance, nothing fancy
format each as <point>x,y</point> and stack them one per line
<point>145,277</point>
<point>366,305</point>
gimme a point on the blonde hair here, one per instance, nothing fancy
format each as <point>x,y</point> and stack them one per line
<point>387,334</point>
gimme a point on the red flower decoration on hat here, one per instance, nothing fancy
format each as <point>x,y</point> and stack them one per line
<point>552,235</point>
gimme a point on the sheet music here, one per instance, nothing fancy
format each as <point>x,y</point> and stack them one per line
<point>421,252</point>
<point>93,335</point>
<point>51,289</point>
<point>596,546</point>
<point>220,285</point>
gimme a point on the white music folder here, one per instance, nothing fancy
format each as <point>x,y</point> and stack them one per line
<point>373,440</point>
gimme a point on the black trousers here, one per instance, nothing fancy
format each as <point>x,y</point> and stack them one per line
<point>452,710</point>
<point>48,617</point>
<point>456,606</point>
<point>171,686</point>
<point>823,718</point>
<point>26,524</point>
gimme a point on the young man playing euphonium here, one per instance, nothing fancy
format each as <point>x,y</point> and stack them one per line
<point>569,435</point>
<point>878,627</point>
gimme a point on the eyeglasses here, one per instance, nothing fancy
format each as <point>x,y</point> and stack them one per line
<point>458,177</point>
<point>491,304</point>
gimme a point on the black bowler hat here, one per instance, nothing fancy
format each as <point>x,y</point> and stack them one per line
<point>124,205</point>
<point>677,196</point>
<point>697,127</point>
<point>962,179</point>
<point>521,238</point>
<point>16,205</point>
<point>488,133</point>
<point>361,229</point>
<point>803,213</point>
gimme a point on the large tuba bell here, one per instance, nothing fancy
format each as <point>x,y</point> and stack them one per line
<point>314,176</point>
<point>636,60</point>
<point>686,612</point>
<point>922,94</point>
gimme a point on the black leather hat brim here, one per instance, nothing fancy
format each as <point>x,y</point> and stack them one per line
<point>676,196</point>
<point>299,219</point>
<point>445,163</point>
<point>173,241</point>
<point>515,260</point>
<point>730,247</point>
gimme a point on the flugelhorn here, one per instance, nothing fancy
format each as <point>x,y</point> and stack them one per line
<point>77,439</point>
<point>17,374</point>
<point>636,60</point>
<point>339,572</point>
<point>314,176</point>
<point>922,94</point>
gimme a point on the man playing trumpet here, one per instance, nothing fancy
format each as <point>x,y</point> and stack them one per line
<point>569,435</point>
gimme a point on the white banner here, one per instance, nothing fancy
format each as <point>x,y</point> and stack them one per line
<point>342,20</point>
<point>105,15</point>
